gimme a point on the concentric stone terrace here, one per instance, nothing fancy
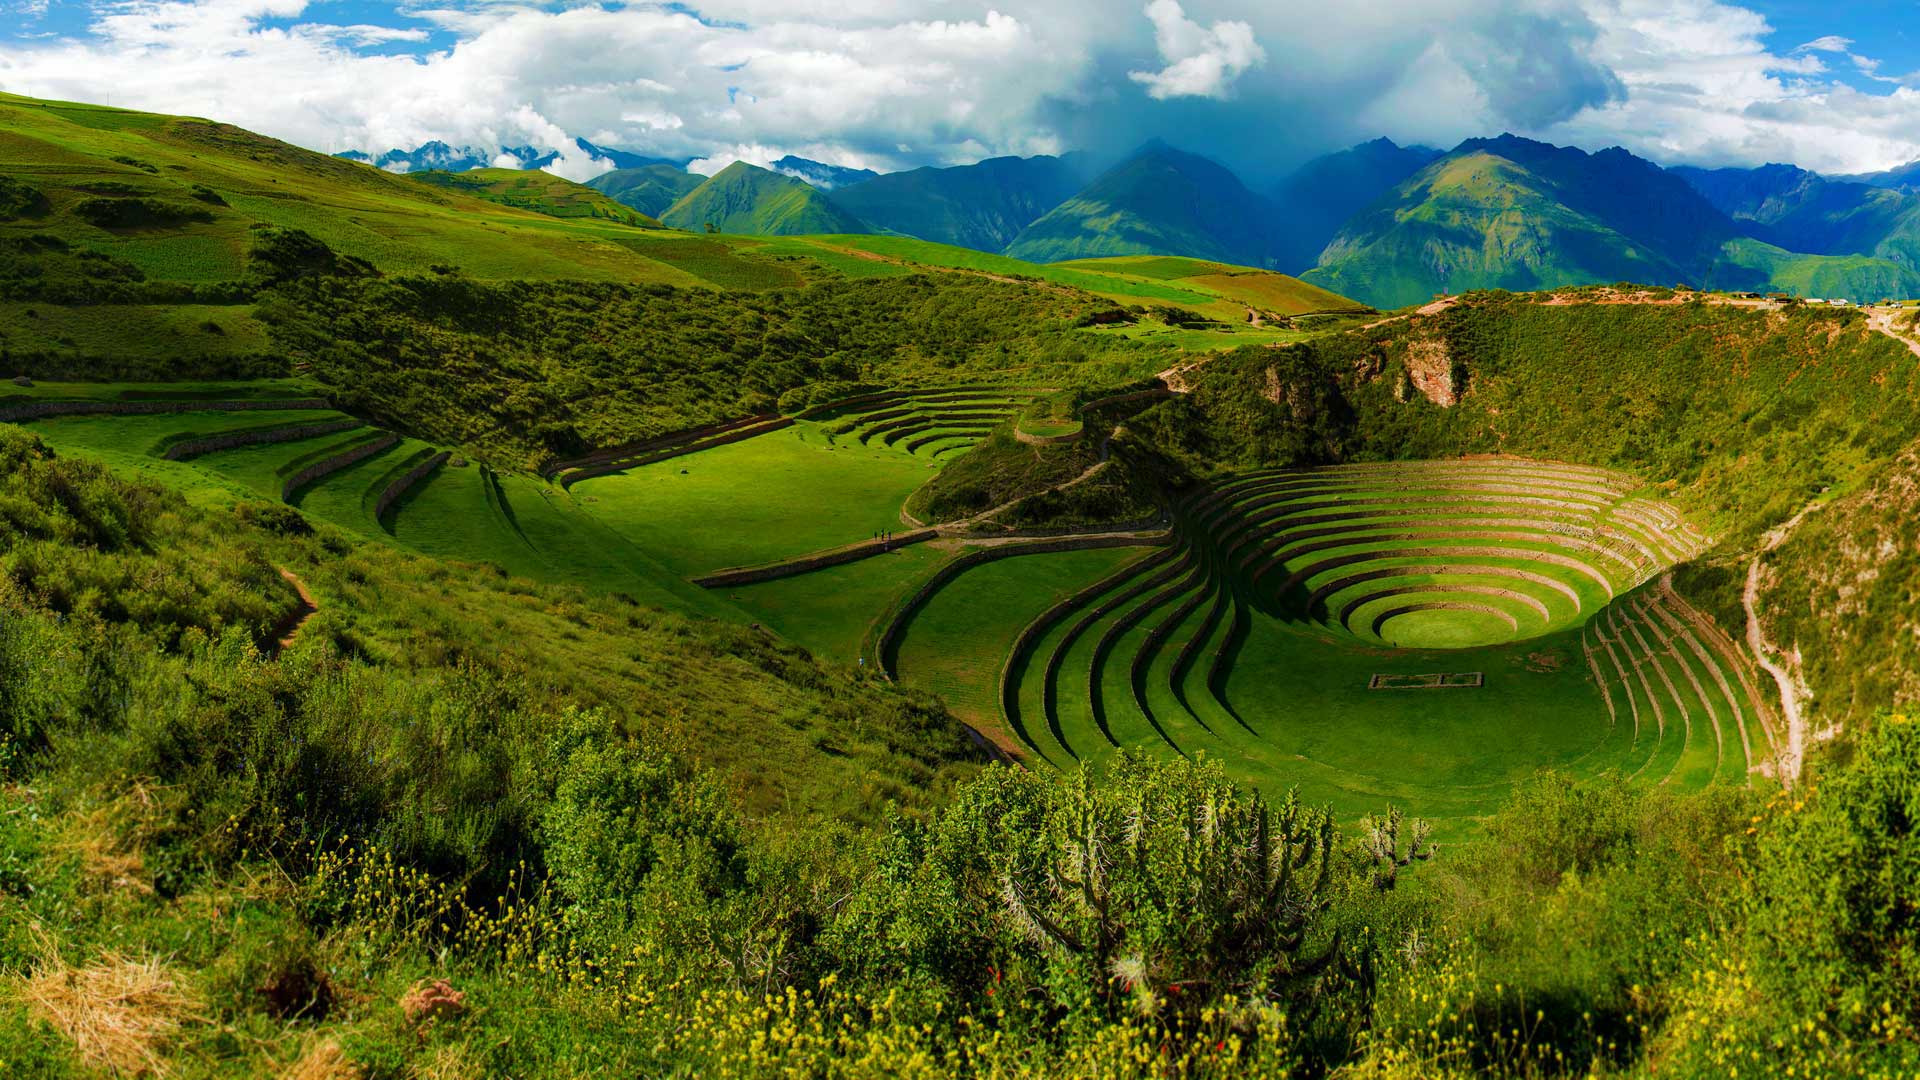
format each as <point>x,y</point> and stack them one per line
<point>1422,631</point>
<point>1442,554</point>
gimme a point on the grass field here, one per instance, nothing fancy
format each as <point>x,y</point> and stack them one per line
<point>957,643</point>
<point>829,611</point>
<point>767,498</point>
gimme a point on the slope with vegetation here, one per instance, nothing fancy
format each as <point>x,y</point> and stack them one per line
<point>743,198</point>
<point>981,206</point>
<point>649,189</point>
<point>1160,201</point>
<point>279,798</point>
<point>532,189</point>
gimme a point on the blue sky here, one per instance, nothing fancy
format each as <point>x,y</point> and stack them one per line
<point>888,84</point>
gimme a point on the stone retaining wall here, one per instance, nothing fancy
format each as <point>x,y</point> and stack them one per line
<point>657,442</point>
<point>889,639</point>
<point>187,448</point>
<point>14,412</point>
<point>751,575</point>
<point>350,456</point>
<point>405,483</point>
<point>736,434</point>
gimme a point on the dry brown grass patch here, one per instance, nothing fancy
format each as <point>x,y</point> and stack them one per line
<point>120,1013</point>
<point>322,1060</point>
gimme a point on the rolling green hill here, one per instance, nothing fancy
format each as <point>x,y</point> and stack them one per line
<point>649,189</point>
<point>1511,213</point>
<point>982,206</point>
<point>180,199</point>
<point>1161,201</point>
<point>1801,211</point>
<point>743,198</point>
<point>1514,214</point>
<point>1320,196</point>
<point>541,192</point>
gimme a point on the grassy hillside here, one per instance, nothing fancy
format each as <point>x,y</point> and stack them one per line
<point>1510,213</point>
<point>541,192</point>
<point>179,199</point>
<point>1742,415</point>
<point>981,206</point>
<point>1159,202</point>
<point>743,198</point>
<point>1319,197</point>
<point>649,189</point>
<point>1479,221</point>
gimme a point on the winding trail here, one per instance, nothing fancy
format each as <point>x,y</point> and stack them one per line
<point>1792,691</point>
<point>290,624</point>
<point>1881,319</point>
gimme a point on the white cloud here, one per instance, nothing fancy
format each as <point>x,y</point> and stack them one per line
<point>1201,61</point>
<point>1703,88</point>
<point>896,83</point>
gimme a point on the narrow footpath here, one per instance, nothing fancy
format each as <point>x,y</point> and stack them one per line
<point>1792,692</point>
<point>290,624</point>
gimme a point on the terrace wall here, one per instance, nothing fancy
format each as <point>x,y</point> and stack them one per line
<point>406,482</point>
<point>14,412</point>
<point>180,451</point>
<point>350,456</point>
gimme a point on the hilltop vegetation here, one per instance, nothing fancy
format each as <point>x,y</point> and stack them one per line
<point>528,371</point>
<point>1159,202</point>
<point>649,189</point>
<point>532,189</point>
<point>281,796</point>
<point>1743,415</point>
<point>743,198</point>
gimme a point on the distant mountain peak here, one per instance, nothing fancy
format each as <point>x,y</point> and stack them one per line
<point>820,174</point>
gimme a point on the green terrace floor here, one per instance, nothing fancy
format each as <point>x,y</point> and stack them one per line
<point>1289,625</point>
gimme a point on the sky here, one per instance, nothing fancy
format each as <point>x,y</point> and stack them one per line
<point>1260,85</point>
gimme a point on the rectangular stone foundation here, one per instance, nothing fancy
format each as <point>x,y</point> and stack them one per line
<point>1436,681</point>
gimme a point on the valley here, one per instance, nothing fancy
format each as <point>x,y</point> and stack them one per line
<point>456,621</point>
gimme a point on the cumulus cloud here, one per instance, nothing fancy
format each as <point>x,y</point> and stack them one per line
<point>1702,87</point>
<point>1201,61</point>
<point>897,83</point>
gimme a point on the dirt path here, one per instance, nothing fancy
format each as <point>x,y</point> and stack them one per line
<point>288,628</point>
<point>1792,690</point>
<point>1881,319</point>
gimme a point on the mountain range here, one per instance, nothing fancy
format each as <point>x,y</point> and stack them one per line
<point>444,158</point>
<point>1385,224</point>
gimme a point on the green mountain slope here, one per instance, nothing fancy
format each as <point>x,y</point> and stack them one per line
<point>649,189</point>
<point>743,198</point>
<point>1479,221</point>
<point>1161,201</point>
<point>540,192</point>
<point>179,199</point>
<point>1802,211</point>
<point>981,206</point>
<point>1322,194</point>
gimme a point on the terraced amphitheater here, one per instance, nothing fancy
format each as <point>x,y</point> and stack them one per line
<point>933,424</point>
<point>1417,631</point>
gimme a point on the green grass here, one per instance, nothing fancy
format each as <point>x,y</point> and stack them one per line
<point>148,331</point>
<point>830,611</point>
<point>399,224</point>
<point>957,643</point>
<point>768,498</point>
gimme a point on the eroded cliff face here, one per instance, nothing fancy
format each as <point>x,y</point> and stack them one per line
<point>1840,597</point>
